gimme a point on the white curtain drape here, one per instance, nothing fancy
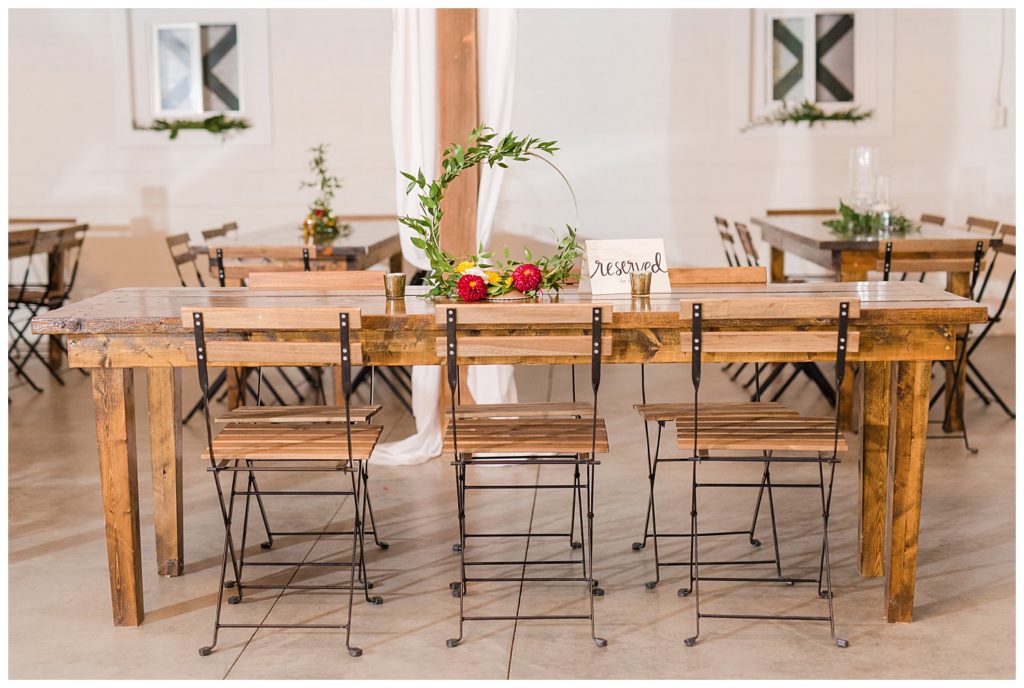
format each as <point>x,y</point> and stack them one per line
<point>414,132</point>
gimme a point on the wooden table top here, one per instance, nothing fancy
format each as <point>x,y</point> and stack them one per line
<point>368,233</point>
<point>158,310</point>
<point>810,231</point>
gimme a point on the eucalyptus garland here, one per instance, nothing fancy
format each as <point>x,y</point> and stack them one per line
<point>808,112</point>
<point>217,124</point>
<point>481,275</point>
<point>869,224</point>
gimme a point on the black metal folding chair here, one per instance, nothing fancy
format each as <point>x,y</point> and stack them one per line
<point>530,435</point>
<point>754,433</point>
<point>243,449</point>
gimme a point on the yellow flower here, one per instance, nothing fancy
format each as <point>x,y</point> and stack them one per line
<point>493,277</point>
<point>508,281</point>
<point>465,265</point>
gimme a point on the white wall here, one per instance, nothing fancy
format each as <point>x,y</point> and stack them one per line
<point>642,102</point>
<point>330,72</point>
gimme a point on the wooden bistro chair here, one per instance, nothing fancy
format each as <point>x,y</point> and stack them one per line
<point>527,435</point>
<point>35,298</point>
<point>939,263</point>
<point>241,450</point>
<point>20,246</point>
<point>753,432</point>
<point>397,378</point>
<point>732,258</point>
<point>238,263</point>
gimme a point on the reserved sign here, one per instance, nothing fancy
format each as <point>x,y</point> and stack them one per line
<point>609,262</point>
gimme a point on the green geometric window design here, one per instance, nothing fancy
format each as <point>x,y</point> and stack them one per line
<point>197,68</point>
<point>813,57</point>
<point>834,58</point>
<point>788,58</point>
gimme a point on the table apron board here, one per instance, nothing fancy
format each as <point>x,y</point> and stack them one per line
<point>651,346</point>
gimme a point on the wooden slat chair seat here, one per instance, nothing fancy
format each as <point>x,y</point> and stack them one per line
<point>667,412</point>
<point>755,429</point>
<point>299,414</point>
<point>292,442</point>
<point>532,435</point>
<point>544,409</point>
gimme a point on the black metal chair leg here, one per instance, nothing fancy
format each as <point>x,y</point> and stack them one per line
<point>998,399</point>
<point>977,390</point>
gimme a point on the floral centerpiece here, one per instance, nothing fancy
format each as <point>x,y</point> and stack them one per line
<point>482,276</point>
<point>321,226</point>
<point>870,224</point>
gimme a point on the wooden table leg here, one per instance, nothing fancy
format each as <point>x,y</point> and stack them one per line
<point>912,387</point>
<point>778,265</point>
<point>113,398</point>
<point>165,453</point>
<point>396,263</point>
<point>874,468</point>
<point>55,270</point>
<point>958,283</point>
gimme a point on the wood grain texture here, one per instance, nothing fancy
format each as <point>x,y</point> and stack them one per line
<point>777,260</point>
<point>729,409</point>
<point>298,414</point>
<point>114,401</point>
<point>254,354</point>
<point>912,387</point>
<point>874,473</point>
<point>164,392</point>
<point>284,442</point>
<point>523,348</point>
<point>683,277</point>
<point>337,280</point>
<point>457,115</point>
<point>255,319</point>
<point>546,409</point>
<point>566,435</point>
<point>507,314</point>
<point>756,429</point>
<point>747,307</point>
<point>757,343</point>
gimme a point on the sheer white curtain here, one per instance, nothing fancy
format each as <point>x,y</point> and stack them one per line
<point>414,132</point>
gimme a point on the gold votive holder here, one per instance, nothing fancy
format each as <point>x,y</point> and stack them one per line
<point>394,285</point>
<point>640,283</point>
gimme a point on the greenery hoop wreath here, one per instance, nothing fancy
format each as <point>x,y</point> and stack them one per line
<point>480,276</point>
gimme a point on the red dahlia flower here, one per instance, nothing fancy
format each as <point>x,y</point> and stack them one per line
<point>472,288</point>
<point>526,277</point>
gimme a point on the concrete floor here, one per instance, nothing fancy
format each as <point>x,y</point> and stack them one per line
<point>59,607</point>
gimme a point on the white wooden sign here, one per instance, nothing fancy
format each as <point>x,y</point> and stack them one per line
<point>609,262</point>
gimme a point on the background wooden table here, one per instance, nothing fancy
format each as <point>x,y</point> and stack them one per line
<point>852,258</point>
<point>48,243</point>
<point>904,326</point>
<point>373,239</point>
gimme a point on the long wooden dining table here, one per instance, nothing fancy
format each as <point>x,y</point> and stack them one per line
<point>904,326</point>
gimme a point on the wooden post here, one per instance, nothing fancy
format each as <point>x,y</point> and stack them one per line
<point>114,399</point>
<point>778,265</point>
<point>457,115</point>
<point>165,454</point>
<point>912,387</point>
<point>874,473</point>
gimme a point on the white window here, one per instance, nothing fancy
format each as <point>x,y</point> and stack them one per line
<point>193,64</point>
<point>835,58</point>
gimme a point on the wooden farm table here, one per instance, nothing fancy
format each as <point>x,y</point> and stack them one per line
<point>49,244</point>
<point>374,238</point>
<point>940,248</point>
<point>904,326</point>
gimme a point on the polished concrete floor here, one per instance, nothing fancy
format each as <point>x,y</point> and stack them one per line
<point>60,623</point>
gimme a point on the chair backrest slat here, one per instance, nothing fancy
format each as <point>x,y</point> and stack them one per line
<point>981,223</point>
<point>525,347</point>
<point>747,241</point>
<point>510,314</point>
<point>278,318</point>
<point>328,280</point>
<point>39,220</point>
<point>21,242</point>
<point>685,277</point>
<point>931,219</point>
<point>781,308</point>
<point>223,230</point>
<point>245,353</point>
